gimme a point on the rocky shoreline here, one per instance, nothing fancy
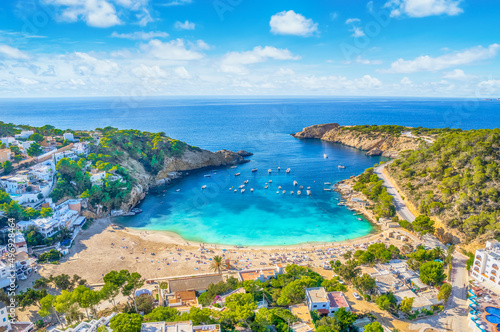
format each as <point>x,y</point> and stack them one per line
<point>374,143</point>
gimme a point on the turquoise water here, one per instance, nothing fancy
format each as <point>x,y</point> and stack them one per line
<point>262,126</point>
<point>263,217</point>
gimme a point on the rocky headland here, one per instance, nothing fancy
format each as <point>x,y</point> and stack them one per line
<point>374,143</point>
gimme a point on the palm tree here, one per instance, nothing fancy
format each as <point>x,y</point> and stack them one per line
<point>217,264</point>
<point>439,252</point>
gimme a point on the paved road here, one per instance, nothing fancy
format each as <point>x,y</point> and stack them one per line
<point>454,318</point>
<point>401,207</point>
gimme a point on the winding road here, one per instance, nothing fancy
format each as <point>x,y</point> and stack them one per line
<point>454,318</point>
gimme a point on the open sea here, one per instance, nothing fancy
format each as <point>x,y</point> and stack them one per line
<point>261,126</point>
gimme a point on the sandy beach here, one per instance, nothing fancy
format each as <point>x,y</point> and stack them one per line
<point>104,247</point>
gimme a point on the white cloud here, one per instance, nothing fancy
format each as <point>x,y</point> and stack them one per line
<point>285,71</point>
<point>352,20</point>
<point>149,72</point>
<point>489,87</point>
<point>101,13</point>
<point>27,81</point>
<point>10,52</point>
<point>202,45</point>
<point>291,23</point>
<point>182,72</point>
<point>457,74</point>
<point>177,3</point>
<point>423,8</point>
<point>357,32</point>
<point>234,62</point>
<point>184,26</point>
<point>406,81</point>
<point>172,50</point>
<point>428,63</point>
<point>140,35</point>
<point>85,64</point>
<point>362,61</point>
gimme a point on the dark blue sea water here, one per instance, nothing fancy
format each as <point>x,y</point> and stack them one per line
<point>262,126</point>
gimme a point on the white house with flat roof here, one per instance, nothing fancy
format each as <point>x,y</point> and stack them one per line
<point>64,154</point>
<point>326,303</point>
<point>26,145</point>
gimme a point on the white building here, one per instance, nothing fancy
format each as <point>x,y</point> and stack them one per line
<point>186,326</point>
<point>65,154</point>
<point>68,136</point>
<point>66,215</point>
<point>7,140</point>
<point>44,171</point>
<point>81,148</point>
<point>25,134</point>
<point>487,263</point>
<point>26,145</point>
<point>326,303</point>
<point>14,185</point>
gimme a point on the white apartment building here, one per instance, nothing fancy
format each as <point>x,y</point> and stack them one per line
<point>65,154</point>
<point>487,263</point>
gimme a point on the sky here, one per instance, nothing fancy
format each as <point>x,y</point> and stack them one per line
<point>422,48</point>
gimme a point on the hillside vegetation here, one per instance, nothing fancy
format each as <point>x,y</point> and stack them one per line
<point>455,179</point>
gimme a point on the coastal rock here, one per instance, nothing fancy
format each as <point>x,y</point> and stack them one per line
<point>195,159</point>
<point>374,143</point>
<point>316,131</point>
<point>244,153</point>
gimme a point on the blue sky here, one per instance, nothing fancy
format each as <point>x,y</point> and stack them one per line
<point>443,48</point>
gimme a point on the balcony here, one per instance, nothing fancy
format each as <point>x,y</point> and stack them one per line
<point>479,258</point>
<point>477,263</point>
<point>495,267</point>
<point>492,278</point>
<point>476,268</point>
<point>493,272</point>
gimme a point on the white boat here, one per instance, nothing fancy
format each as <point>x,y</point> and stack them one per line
<point>255,170</point>
<point>235,190</point>
<point>270,181</point>
<point>207,175</point>
<point>341,166</point>
<point>359,218</point>
<point>251,189</point>
<point>266,186</point>
<point>325,155</point>
<point>279,187</point>
<point>269,171</point>
<point>299,192</point>
<point>234,166</point>
<point>237,174</point>
<point>284,191</point>
<point>288,170</point>
<point>178,190</point>
<point>308,187</point>
<point>242,191</point>
<point>291,192</point>
<point>279,168</point>
<point>327,189</point>
<point>295,183</point>
<point>301,187</point>
<point>278,192</point>
<point>327,183</point>
<point>242,186</point>
<point>308,192</point>
<point>245,182</point>
<point>203,187</point>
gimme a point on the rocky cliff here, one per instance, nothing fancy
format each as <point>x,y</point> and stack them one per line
<point>375,143</point>
<point>189,160</point>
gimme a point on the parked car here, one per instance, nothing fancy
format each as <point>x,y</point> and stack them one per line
<point>356,296</point>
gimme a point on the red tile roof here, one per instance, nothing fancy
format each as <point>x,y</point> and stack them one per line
<point>337,300</point>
